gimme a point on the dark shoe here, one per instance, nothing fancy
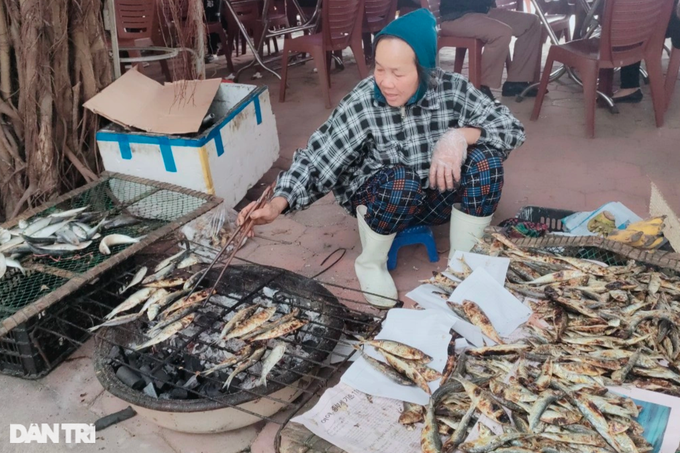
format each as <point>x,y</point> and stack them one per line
<point>209,58</point>
<point>516,88</point>
<point>486,90</point>
<point>632,98</point>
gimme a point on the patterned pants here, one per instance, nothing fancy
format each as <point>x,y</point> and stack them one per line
<point>395,199</point>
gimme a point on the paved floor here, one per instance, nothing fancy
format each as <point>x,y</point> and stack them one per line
<point>557,167</point>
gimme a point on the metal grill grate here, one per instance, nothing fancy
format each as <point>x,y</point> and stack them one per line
<point>158,207</point>
<point>171,365</point>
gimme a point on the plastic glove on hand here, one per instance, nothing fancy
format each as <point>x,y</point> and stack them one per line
<point>447,160</point>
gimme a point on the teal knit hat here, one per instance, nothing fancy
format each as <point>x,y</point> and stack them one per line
<point>419,30</point>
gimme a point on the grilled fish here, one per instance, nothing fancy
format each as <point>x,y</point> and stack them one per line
<point>407,369</point>
<point>132,301</point>
<point>385,369</point>
<point>274,356</point>
<point>412,413</point>
<point>398,349</point>
<point>237,318</point>
<point>251,323</point>
<point>250,361</point>
<point>281,330</point>
<point>168,332</point>
<point>116,321</point>
<point>138,277</point>
<point>479,319</point>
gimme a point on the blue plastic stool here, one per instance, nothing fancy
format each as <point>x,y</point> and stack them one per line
<point>413,235</point>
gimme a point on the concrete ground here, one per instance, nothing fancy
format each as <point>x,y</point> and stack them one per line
<point>557,167</point>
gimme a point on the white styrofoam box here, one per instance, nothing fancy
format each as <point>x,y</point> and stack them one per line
<point>226,159</point>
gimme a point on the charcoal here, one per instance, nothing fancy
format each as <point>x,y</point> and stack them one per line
<point>206,319</point>
<point>164,396</point>
<point>145,371</point>
<point>178,394</point>
<point>130,378</point>
<point>192,383</point>
<point>150,390</point>
<point>180,382</point>
<point>114,418</point>
<point>134,364</point>
<point>211,390</point>
<point>131,355</point>
<point>309,346</point>
<point>115,352</point>
<point>192,364</point>
<point>160,378</point>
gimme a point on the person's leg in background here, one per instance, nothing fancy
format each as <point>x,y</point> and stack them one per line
<point>496,37</point>
<point>630,85</point>
<point>527,51</point>
<point>212,14</point>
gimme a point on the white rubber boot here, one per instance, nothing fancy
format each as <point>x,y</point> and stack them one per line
<point>371,265</point>
<point>464,229</point>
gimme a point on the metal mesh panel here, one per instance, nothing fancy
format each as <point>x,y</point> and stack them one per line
<point>154,205</point>
<point>17,291</point>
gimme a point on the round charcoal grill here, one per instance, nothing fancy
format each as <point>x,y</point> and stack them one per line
<point>208,410</point>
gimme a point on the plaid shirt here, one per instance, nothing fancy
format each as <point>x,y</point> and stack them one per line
<point>364,135</point>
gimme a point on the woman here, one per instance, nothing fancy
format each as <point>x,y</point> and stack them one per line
<point>399,150</point>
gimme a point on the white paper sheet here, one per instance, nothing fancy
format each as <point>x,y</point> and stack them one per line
<point>347,419</point>
<point>497,267</point>
<point>424,297</point>
<point>426,330</point>
<point>505,312</point>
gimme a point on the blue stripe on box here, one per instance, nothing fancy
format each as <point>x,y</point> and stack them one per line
<point>166,142</point>
<point>166,153</point>
<point>219,145</point>
<point>105,136</point>
<point>258,110</point>
<point>124,145</point>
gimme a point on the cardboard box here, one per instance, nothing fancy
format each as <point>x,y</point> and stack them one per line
<point>225,159</point>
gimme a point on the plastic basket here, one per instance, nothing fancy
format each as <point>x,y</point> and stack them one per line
<point>44,314</point>
<point>548,216</point>
<point>612,256</point>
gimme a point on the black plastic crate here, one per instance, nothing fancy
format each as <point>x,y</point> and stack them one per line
<point>45,314</point>
<point>34,348</point>
<point>553,219</point>
<point>548,216</point>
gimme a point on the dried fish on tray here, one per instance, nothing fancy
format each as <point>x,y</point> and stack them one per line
<point>593,326</point>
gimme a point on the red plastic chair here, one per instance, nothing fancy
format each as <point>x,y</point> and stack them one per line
<point>672,74</point>
<point>462,45</point>
<point>136,25</point>
<point>377,14</point>
<point>340,28</point>
<point>630,33</point>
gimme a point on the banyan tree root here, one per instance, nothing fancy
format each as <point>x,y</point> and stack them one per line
<point>53,57</point>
